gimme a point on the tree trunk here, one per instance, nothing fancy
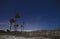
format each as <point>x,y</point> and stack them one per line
<point>10,27</point>
<point>15,28</point>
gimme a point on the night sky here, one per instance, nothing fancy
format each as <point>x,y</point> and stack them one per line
<point>37,14</point>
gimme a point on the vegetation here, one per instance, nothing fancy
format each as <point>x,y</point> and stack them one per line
<point>11,22</point>
<point>29,34</point>
<point>16,25</point>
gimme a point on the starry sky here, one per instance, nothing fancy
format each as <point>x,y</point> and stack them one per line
<point>37,14</point>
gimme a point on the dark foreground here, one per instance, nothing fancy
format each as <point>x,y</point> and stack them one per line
<point>28,35</point>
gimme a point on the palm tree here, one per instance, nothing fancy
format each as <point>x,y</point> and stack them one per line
<point>11,22</point>
<point>22,26</point>
<point>15,27</point>
<point>16,16</point>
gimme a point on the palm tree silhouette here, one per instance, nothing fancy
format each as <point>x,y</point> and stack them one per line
<point>16,16</point>
<point>11,22</point>
<point>22,26</point>
<point>15,27</point>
